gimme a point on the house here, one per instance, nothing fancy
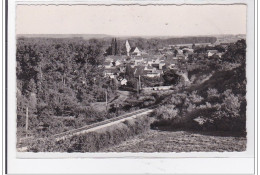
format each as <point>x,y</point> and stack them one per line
<point>111,72</point>
<point>155,65</point>
<point>211,52</point>
<point>148,68</point>
<point>122,68</point>
<point>168,53</point>
<point>117,62</point>
<point>123,82</point>
<point>154,73</point>
<point>109,59</point>
<point>180,56</point>
<point>138,60</point>
<point>159,88</point>
<point>219,54</point>
<point>188,50</point>
<point>161,59</point>
<point>151,61</point>
<point>144,54</point>
<point>172,62</point>
<point>180,52</point>
<point>108,64</point>
<point>161,64</point>
<point>225,45</point>
<point>135,51</point>
<point>171,66</point>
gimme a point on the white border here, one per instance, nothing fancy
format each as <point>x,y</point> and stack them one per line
<point>130,162</point>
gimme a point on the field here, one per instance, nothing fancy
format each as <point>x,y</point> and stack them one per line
<point>180,141</point>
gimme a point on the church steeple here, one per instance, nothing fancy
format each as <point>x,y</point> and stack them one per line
<point>128,48</point>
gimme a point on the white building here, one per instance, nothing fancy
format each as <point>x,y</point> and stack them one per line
<point>123,82</point>
<point>137,52</point>
<point>117,62</point>
<point>212,52</point>
<point>138,60</point>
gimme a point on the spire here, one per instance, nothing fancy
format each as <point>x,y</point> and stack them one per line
<point>128,48</point>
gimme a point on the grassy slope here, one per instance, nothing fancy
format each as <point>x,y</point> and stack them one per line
<point>179,141</point>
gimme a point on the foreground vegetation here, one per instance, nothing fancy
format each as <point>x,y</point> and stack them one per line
<point>180,141</point>
<point>96,140</point>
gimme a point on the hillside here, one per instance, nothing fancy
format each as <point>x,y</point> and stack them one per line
<point>223,80</point>
<point>217,103</point>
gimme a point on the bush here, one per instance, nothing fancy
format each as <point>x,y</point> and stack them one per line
<point>195,98</point>
<point>212,92</point>
<point>166,112</point>
<point>231,104</point>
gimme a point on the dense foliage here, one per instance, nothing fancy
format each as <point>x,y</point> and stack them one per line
<point>59,77</point>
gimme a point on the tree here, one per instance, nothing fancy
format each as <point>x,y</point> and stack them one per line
<point>193,46</point>
<point>109,51</point>
<point>170,77</point>
<point>175,52</point>
<point>236,53</point>
<point>129,73</point>
<point>123,50</point>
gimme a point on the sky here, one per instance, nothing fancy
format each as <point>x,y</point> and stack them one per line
<point>132,20</point>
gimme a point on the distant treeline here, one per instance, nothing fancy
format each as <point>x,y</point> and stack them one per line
<point>141,43</point>
<point>156,43</point>
<point>153,43</point>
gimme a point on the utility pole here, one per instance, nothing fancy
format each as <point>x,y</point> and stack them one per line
<point>41,72</point>
<point>106,100</point>
<point>26,122</point>
<point>137,88</point>
<point>140,82</point>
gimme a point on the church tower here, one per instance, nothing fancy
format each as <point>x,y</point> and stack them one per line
<point>128,48</point>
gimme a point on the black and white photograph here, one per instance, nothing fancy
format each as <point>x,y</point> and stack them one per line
<point>130,78</point>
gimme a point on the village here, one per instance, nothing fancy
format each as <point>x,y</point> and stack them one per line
<point>145,63</point>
